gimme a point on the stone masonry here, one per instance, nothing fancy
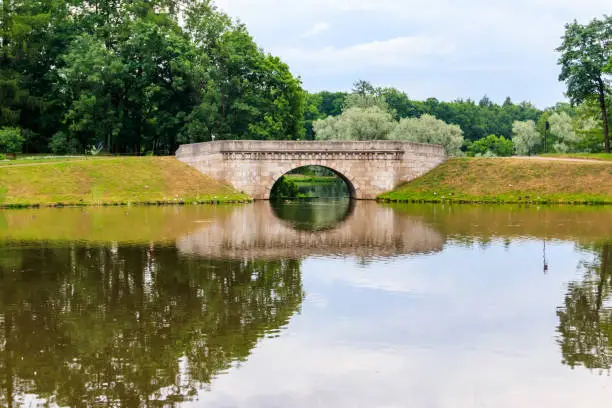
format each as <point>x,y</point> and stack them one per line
<point>369,168</point>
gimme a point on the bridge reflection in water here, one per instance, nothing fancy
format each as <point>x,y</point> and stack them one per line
<point>366,230</point>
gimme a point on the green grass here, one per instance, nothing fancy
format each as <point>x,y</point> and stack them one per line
<point>301,178</point>
<point>590,156</point>
<point>109,181</point>
<point>510,180</point>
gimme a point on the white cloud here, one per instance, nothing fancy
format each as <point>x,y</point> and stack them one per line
<point>466,44</point>
<point>400,52</point>
<point>316,30</point>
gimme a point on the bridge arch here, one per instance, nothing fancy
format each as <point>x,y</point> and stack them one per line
<point>276,176</point>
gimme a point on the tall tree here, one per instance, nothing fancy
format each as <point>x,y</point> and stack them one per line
<point>356,124</point>
<point>428,129</point>
<point>586,52</point>
<point>525,137</point>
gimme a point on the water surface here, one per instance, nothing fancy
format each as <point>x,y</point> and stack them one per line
<point>331,303</point>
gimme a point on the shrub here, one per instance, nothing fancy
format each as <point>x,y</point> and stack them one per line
<point>11,140</point>
<point>491,145</point>
<point>285,188</point>
<point>61,144</point>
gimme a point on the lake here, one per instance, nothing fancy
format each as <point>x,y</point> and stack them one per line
<point>304,304</point>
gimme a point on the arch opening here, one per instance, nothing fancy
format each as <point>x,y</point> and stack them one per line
<point>312,182</point>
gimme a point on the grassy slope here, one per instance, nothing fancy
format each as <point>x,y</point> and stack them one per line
<point>511,180</point>
<point>103,181</point>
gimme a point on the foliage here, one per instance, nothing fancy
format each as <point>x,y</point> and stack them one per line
<point>127,74</point>
<point>11,140</point>
<point>355,124</point>
<point>562,128</point>
<point>585,61</point>
<point>491,145</point>
<point>428,129</point>
<point>62,143</point>
<point>525,137</point>
<point>477,120</point>
<point>360,101</point>
<point>284,188</point>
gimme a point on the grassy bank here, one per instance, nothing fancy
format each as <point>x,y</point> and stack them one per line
<point>108,181</point>
<point>510,180</point>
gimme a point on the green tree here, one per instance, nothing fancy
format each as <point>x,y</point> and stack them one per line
<point>491,145</point>
<point>363,88</point>
<point>284,188</point>
<point>562,128</point>
<point>399,103</point>
<point>428,129</point>
<point>525,137</point>
<point>11,140</point>
<point>585,58</point>
<point>365,101</point>
<point>356,124</point>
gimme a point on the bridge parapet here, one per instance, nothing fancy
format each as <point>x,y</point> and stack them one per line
<point>369,167</point>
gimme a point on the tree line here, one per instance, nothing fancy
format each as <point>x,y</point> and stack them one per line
<point>142,77</point>
<point>137,76</point>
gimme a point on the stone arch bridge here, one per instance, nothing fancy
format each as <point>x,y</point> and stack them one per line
<point>368,168</point>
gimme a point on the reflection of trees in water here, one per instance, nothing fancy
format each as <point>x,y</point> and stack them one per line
<point>585,321</point>
<point>115,326</point>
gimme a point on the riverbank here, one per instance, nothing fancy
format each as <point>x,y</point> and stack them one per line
<point>511,180</point>
<point>109,181</point>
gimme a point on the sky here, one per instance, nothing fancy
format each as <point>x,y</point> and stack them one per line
<point>447,49</point>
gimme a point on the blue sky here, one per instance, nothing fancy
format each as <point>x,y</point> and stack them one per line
<point>427,48</point>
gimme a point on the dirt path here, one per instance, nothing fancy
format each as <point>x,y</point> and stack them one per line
<point>559,159</point>
<point>45,163</point>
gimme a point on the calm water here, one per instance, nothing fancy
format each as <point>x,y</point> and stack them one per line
<point>331,304</point>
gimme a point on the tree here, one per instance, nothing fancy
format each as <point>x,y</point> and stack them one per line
<point>589,125</point>
<point>585,323</point>
<point>399,103</point>
<point>11,140</point>
<point>365,101</point>
<point>428,129</point>
<point>361,87</point>
<point>525,137</point>
<point>355,124</point>
<point>562,128</point>
<point>586,52</point>
<point>250,94</point>
<point>492,145</point>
